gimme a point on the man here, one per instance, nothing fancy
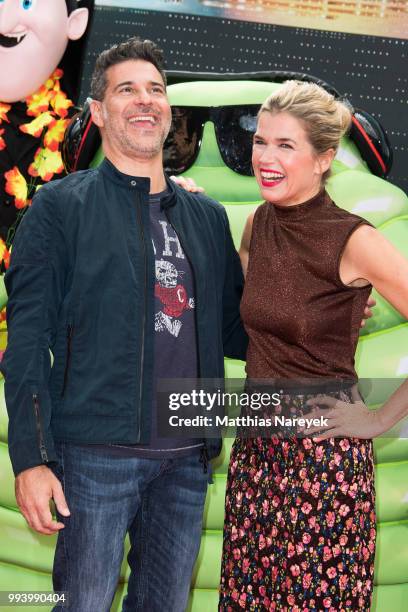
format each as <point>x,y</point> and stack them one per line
<point>127,278</point>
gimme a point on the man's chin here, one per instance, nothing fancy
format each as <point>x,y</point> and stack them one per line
<point>145,152</point>
<point>145,147</point>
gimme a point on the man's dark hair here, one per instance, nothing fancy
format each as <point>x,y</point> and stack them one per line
<point>132,49</point>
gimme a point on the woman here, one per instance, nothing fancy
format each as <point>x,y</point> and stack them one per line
<point>299,528</point>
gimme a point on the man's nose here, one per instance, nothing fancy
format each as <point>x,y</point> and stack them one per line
<point>9,16</point>
<point>143,96</point>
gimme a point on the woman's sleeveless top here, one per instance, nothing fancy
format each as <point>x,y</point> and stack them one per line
<point>302,321</point>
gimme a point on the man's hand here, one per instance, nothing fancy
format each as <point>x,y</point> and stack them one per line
<point>367,310</point>
<point>188,184</point>
<point>35,488</point>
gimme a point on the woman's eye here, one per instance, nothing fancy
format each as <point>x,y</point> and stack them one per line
<point>285,145</point>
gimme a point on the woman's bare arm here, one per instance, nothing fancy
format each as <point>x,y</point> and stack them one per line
<point>368,257</point>
<point>245,243</point>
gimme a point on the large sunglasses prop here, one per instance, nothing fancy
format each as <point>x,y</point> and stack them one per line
<point>234,127</point>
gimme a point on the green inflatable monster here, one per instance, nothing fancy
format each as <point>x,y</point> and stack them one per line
<point>26,557</point>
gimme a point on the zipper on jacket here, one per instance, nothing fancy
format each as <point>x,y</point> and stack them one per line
<point>70,330</point>
<point>40,436</point>
<point>204,458</point>
<point>139,212</point>
<point>204,455</point>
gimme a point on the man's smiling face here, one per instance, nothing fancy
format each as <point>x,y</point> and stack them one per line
<point>33,37</point>
<point>134,115</point>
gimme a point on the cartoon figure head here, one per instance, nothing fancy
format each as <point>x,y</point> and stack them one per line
<point>34,35</point>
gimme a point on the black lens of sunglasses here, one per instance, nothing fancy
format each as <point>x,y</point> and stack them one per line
<point>184,140</point>
<point>234,128</point>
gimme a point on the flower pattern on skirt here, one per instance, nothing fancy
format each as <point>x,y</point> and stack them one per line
<point>300,525</point>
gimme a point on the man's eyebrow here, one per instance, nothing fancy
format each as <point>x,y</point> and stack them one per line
<point>132,83</point>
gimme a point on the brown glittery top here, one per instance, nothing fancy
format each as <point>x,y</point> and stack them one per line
<point>302,321</point>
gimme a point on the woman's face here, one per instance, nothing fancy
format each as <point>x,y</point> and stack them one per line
<point>287,168</point>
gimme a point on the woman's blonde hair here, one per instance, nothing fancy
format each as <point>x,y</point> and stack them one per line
<point>324,118</point>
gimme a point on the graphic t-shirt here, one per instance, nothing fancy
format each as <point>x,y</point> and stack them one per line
<point>175,344</point>
<point>175,334</point>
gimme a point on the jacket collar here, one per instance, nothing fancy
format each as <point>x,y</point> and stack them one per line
<point>171,197</point>
<point>140,183</point>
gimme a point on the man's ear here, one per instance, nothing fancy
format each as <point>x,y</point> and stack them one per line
<point>77,22</point>
<point>96,113</point>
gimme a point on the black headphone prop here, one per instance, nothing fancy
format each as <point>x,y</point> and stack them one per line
<point>82,141</point>
<point>372,142</point>
<point>82,138</point>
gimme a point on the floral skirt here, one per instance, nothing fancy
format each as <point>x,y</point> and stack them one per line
<point>300,525</point>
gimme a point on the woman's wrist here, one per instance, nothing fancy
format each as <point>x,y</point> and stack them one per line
<point>384,421</point>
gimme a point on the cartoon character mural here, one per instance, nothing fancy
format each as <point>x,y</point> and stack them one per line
<point>34,106</point>
<point>212,129</point>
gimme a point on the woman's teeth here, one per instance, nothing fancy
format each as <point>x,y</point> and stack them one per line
<point>272,176</point>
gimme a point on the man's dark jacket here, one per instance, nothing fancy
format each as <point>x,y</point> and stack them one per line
<point>81,284</point>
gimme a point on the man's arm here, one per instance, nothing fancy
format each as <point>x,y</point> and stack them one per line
<point>35,284</point>
<point>235,339</point>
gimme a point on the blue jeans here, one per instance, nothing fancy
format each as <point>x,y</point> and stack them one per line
<point>158,502</point>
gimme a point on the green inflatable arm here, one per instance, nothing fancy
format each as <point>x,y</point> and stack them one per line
<point>26,557</point>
